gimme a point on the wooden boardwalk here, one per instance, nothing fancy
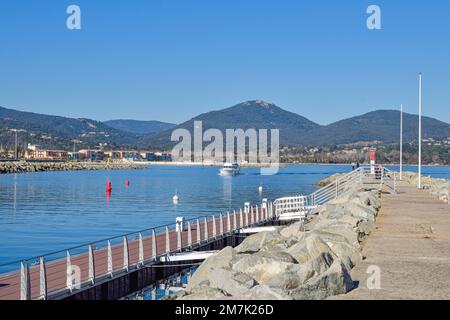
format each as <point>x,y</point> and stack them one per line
<point>56,271</point>
<point>411,248</point>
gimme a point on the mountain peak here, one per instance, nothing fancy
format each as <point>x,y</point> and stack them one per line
<point>260,103</point>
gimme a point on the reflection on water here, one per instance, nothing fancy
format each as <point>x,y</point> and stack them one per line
<point>42,212</point>
<point>166,287</point>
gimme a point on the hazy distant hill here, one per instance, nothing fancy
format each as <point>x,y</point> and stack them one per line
<point>140,127</point>
<point>380,125</point>
<point>251,114</point>
<point>57,132</point>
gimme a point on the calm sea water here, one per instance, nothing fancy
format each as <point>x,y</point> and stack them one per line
<point>43,212</point>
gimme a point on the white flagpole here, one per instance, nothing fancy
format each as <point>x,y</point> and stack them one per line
<point>401,142</point>
<point>420,131</point>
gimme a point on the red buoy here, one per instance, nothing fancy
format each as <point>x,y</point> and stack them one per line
<point>108,186</point>
<point>127,183</point>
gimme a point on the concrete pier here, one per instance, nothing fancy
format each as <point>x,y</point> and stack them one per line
<point>411,248</point>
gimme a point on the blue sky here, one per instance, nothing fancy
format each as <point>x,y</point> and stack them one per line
<point>170,60</point>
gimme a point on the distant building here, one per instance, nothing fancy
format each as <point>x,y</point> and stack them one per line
<point>49,154</point>
<point>74,155</point>
<point>91,155</point>
<point>123,154</point>
<point>34,147</point>
<point>155,156</point>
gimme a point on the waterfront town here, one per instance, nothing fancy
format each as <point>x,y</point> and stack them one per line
<point>36,152</point>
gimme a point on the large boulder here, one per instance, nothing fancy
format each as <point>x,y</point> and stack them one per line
<point>207,268</point>
<point>275,253</point>
<point>295,230</point>
<point>312,247</point>
<point>339,228</point>
<point>260,267</point>
<point>255,242</point>
<point>363,212</point>
<point>336,280</point>
<point>339,247</point>
<point>369,198</point>
<point>230,282</point>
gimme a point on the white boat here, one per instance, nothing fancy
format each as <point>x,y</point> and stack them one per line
<point>230,169</point>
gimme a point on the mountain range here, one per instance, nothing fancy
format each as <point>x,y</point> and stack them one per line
<point>61,132</point>
<point>140,127</point>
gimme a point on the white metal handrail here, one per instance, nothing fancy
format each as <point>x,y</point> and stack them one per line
<point>338,188</point>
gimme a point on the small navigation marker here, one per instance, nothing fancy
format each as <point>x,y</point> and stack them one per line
<point>175,198</point>
<point>108,187</point>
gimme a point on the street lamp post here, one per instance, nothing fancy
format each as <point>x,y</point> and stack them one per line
<point>16,149</point>
<point>401,142</point>
<point>420,131</point>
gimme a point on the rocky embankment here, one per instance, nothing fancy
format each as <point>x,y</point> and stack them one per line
<point>440,188</point>
<point>330,179</point>
<point>297,262</point>
<point>26,167</point>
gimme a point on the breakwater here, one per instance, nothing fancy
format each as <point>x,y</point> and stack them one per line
<point>330,179</point>
<point>440,188</point>
<point>27,167</point>
<point>298,262</point>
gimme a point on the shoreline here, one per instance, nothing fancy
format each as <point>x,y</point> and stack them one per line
<point>16,167</point>
<point>23,167</point>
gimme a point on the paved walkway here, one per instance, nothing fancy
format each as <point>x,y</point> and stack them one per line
<point>411,246</point>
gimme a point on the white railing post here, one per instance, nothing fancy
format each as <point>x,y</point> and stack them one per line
<point>69,272</point>
<point>167,241</point>
<point>91,267</point>
<point>246,218</point>
<point>252,215</point>
<point>110,260</point>
<point>189,235</point>
<point>228,222</point>
<point>199,239</point>
<point>154,248</point>
<point>214,230</point>
<point>42,279</point>
<point>257,214</point>
<point>234,220</point>
<point>179,240</point>
<point>141,250</point>
<point>241,219</point>
<point>25,284</point>
<point>270,204</point>
<point>206,229</point>
<point>126,254</point>
<point>221,225</point>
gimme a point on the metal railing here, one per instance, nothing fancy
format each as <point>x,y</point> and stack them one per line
<point>338,188</point>
<point>113,257</point>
